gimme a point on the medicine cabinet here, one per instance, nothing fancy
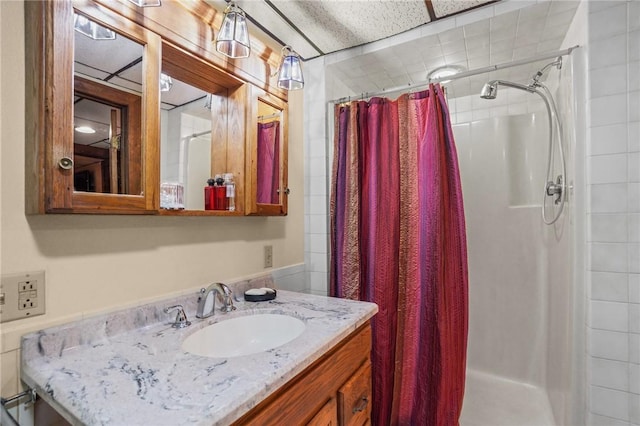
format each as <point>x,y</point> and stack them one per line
<point>103,136</point>
<point>113,169</point>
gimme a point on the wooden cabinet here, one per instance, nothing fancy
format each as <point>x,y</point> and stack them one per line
<point>128,173</point>
<point>70,77</point>
<point>333,389</point>
<point>354,398</point>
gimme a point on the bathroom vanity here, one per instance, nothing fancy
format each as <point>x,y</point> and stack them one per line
<point>129,367</point>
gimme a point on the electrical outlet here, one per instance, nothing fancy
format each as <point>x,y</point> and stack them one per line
<point>21,296</point>
<point>268,256</point>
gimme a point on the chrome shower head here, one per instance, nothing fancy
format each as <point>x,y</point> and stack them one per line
<point>489,90</point>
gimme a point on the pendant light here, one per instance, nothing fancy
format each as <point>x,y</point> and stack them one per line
<point>233,38</point>
<point>146,3</point>
<point>87,27</point>
<point>290,70</point>
<point>166,82</point>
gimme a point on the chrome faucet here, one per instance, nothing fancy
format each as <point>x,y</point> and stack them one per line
<point>207,300</point>
<point>181,320</point>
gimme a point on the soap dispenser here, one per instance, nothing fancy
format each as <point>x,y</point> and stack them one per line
<point>209,195</point>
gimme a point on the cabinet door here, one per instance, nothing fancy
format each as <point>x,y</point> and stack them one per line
<point>354,398</point>
<point>93,71</point>
<point>327,416</point>
<point>266,188</point>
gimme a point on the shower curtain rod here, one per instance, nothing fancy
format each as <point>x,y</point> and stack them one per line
<point>469,73</point>
<point>197,135</point>
<point>267,117</point>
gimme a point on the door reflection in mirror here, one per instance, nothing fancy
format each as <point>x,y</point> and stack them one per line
<point>107,110</point>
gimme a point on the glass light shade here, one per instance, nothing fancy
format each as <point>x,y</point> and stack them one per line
<point>145,3</point>
<point>233,38</point>
<point>87,27</point>
<point>166,83</point>
<point>290,76</point>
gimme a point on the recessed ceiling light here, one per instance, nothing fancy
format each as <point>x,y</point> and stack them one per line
<point>445,71</point>
<point>85,129</point>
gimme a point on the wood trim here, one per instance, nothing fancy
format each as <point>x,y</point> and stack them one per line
<point>302,397</point>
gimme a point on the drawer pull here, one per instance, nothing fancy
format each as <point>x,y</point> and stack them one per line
<point>362,405</point>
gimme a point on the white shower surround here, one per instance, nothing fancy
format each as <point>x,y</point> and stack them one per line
<point>556,367</point>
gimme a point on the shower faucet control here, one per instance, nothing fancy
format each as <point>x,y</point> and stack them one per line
<point>555,189</point>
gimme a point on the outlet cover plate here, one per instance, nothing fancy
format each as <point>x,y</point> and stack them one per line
<point>22,295</point>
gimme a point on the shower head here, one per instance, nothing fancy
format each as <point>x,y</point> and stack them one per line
<point>489,90</point>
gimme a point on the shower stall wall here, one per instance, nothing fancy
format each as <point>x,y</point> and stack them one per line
<point>521,293</point>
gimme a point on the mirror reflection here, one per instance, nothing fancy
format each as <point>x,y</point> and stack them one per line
<point>186,126</point>
<point>107,110</point>
<point>268,156</point>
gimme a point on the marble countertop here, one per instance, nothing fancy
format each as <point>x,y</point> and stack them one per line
<point>127,368</point>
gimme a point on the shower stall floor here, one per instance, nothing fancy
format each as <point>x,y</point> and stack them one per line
<point>495,401</point>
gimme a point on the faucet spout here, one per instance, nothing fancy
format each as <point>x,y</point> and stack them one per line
<point>207,300</point>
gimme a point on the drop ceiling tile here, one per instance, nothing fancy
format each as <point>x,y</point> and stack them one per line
<point>455,58</point>
<point>502,45</point>
<point>503,21</point>
<point>524,51</point>
<point>478,43</point>
<point>507,33</point>
<point>335,25</point>
<point>479,62</point>
<point>480,28</point>
<point>451,35</point>
<point>530,28</point>
<point>561,18</point>
<point>561,6</point>
<point>550,33</point>
<point>550,45</point>
<point>448,7</point>
<point>453,47</point>
<point>536,12</point>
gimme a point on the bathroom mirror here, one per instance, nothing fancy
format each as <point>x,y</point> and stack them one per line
<point>267,191</point>
<point>200,137</point>
<point>108,87</point>
<point>269,145</point>
<point>185,134</point>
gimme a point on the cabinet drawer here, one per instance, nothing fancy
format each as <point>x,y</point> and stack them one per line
<point>354,398</point>
<point>327,416</point>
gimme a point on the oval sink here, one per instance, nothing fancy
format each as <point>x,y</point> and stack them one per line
<point>243,335</point>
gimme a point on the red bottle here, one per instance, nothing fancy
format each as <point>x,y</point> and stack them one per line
<point>220,194</point>
<point>209,195</point>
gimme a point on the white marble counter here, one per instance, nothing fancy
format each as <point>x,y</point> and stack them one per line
<point>127,368</point>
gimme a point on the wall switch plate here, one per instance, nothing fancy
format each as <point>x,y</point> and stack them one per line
<point>268,256</point>
<point>21,295</point>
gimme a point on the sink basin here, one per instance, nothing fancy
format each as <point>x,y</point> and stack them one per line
<point>243,335</point>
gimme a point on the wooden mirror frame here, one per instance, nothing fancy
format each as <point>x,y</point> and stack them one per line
<point>49,100</point>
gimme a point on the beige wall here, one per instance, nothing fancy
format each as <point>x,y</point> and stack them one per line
<point>99,263</point>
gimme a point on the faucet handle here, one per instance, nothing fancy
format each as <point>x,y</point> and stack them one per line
<point>181,320</point>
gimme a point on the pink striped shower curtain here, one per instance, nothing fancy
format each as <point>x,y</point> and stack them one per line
<point>398,239</point>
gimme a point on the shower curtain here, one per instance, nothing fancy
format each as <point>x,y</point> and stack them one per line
<point>268,167</point>
<point>398,239</point>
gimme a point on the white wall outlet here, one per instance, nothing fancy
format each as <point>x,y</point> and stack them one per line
<point>21,296</point>
<point>268,256</point>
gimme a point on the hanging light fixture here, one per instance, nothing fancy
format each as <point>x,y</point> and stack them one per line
<point>145,3</point>
<point>87,27</point>
<point>166,82</point>
<point>233,38</point>
<point>290,70</point>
